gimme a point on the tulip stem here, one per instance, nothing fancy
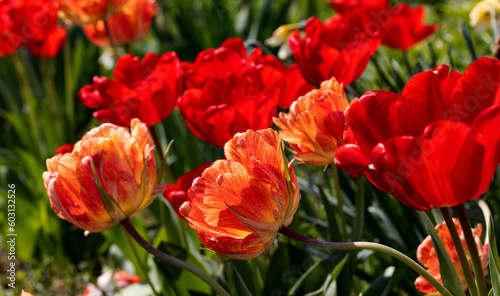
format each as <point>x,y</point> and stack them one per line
<point>340,204</point>
<point>368,246</point>
<point>172,260</point>
<point>471,244</point>
<point>164,167</point>
<point>29,102</point>
<point>111,39</point>
<point>139,262</point>
<point>460,251</point>
<point>68,86</point>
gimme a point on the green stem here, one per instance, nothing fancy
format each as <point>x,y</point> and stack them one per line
<point>111,39</point>
<point>460,251</point>
<point>494,22</point>
<point>141,266</point>
<point>53,97</point>
<point>29,102</point>
<point>172,260</point>
<point>257,279</point>
<point>68,86</point>
<point>368,246</point>
<point>471,244</point>
<point>340,204</point>
<point>165,168</point>
<point>48,80</point>
<point>228,269</point>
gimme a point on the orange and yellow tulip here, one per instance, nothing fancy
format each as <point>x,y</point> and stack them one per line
<point>427,256</point>
<point>110,175</point>
<point>238,205</point>
<point>315,123</point>
<point>131,24</point>
<point>82,12</point>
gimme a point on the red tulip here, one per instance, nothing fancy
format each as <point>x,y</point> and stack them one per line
<point>123,279</point>
<point>331,50</point>
<point>33,24</point>
<point>231,58</point>
<point>228,93</point>
<point>315,123</point>
<point>177,193</point>
<point>400,27</point>
<point>147,90</point>
<point>129,25</point>
<point>66,148</point>
<point>110,175</point>
<point>435,145</point>
<point>238,205</point>
<point>426,255</point>
<point>223,108</point>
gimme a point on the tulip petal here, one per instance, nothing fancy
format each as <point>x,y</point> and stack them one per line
<point>480,154</point>
<point>351,159</point>
<point>405,163</point>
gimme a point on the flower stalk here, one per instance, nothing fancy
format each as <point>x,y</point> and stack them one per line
<point>368,246</point>
<point>172,260</point>
<point>469,277</point>
<point>474,254</point>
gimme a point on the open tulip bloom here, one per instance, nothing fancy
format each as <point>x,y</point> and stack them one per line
<point>442,131</point>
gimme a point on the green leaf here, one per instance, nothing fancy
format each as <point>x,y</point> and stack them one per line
<point>118,236</point>
<point>494,261</point>
<point>331,218</point>
<point>382,284</point>
<point>318,273</point>
<point>112,207</point>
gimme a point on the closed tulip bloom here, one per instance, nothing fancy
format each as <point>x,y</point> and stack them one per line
<point>147,90</point>
<point>238,205</point>
<point>131,24</point>
<point>315,123</point>
<point>110,175</point>
<point>331,50</point>
<point>434,145</point>
<point>400,27</point>
<point>426,255</point>
<point>83,12</point>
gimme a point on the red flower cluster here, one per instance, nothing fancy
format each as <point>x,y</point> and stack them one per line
<point>332,50</point>
<point>228,92</point>
<point>147,90</point>
<point>435,145</point>
<point>400,26</point>
<point>33,24</point>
